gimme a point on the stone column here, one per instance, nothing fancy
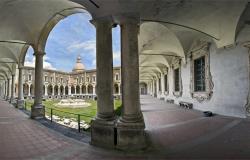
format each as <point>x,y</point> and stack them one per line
<point>94,89</point>
<point>86,88</point>
<point>162,85</point>
<point>80,89</point>
<point>46,90</point>
<point>155,87</point>
<point>12,98</point>
<point>64,90</point>
<point>8,89</point>
<point>5,90</point>
<point>58,90</point>
<point>130,126</point>
<point>29,89</point>
<point>69,87</point>
<point>37,109</point>
<point>102,126</point>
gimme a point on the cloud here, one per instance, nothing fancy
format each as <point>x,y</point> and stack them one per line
<point>46,64</point>
<point>89,46</point>
<point>94,62</point>
<point>117,56</point>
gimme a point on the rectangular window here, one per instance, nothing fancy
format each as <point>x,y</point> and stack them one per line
<point>166,82</point>
<point>29,77</point>
<point>199,75</point>
<point>116,77</point>
<point>93,78</point>
<point>177,80</point>
<point>51,79</point>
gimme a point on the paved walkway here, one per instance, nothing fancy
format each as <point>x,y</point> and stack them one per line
<point>173,133</point>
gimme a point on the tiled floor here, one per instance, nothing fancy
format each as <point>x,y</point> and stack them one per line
<point>173,133</point>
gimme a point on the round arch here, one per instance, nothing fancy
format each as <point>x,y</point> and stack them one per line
<point>56,90</point>
<point>52,22</point>
<point>50,90</point>
<point>90,89</point>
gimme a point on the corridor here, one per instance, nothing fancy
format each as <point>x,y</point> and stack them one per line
<point>173,132</point>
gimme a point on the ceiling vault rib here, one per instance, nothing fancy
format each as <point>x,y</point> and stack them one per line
<point>148,20</point>
<point>14,42</point>
<point>7,62</point>
<point>95,4</point>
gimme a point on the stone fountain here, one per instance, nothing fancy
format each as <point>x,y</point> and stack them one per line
<point>73,103</point>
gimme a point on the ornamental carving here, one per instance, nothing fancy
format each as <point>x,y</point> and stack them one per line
<point>247,45</point>
<point>176,63</point>
<point>200,49</point>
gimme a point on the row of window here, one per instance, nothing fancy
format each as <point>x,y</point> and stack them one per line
<point>77,80</point>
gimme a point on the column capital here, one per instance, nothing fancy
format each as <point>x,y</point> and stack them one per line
<point>20,66</point>
<point>127,18</point>
<point>40,53</point>
<point>102,20</point>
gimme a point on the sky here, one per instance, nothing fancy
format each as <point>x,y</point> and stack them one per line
<point>71,37</point>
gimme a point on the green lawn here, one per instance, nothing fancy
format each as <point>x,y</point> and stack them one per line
<point>86,113</point>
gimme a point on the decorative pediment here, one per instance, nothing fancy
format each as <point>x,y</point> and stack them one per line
<point>198,47</point>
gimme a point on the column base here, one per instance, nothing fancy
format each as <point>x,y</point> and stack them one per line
<point>20,104</point>
<point>103,133</point>
<point>37,111</point>
<point>131,136</point>
<point>12,100</point>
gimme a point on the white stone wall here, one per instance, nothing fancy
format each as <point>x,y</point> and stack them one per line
<point>229,70</point>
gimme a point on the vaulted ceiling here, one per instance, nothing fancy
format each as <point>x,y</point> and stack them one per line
<point>167,31</point>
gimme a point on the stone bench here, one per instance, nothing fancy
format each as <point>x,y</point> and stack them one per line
<point>186,104</point>
<point>170,101</point>
<point>162,98</point>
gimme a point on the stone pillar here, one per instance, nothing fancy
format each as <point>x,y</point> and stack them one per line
<point>130,126</point>
<point>162,85</point>
<point>102,126</point>
<point>29,89</point>
<point>80,89</point>
<point>64,90</point>
<point>94,89</point>
<point>20,100</point>
<point>8,89</point>
<point>37,109</point>
<point>46,90</point>
<point>12,98</point>
<point>69,87</point>
<point>155,87</point>
<point>5,90</point>
<point>58,90</point>
<point>86,88</point>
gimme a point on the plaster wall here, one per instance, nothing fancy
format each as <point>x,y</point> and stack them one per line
<point>229,70</point>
